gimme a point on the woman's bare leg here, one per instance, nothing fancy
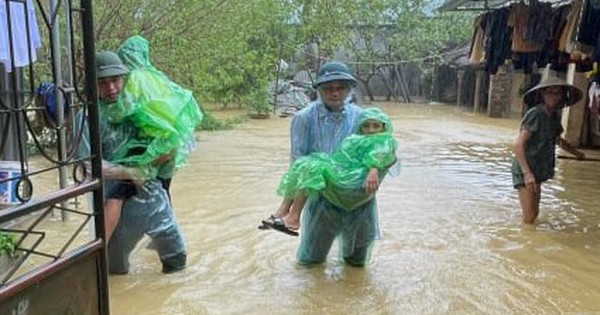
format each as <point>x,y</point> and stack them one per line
<point>530,203</point>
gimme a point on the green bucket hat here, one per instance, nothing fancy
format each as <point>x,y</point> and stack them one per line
<point>108,64</point>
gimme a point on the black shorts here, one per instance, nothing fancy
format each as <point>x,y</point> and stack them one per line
<point>125,189</point>
<point>521,185</point>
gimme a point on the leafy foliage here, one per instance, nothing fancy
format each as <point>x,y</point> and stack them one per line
<point>226,51</point>
<point>7,245</point>
<point>211,123</point>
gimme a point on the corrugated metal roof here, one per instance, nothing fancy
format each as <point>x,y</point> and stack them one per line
<point>483,5</point>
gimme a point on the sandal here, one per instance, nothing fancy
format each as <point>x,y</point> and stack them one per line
<point>277,224</point>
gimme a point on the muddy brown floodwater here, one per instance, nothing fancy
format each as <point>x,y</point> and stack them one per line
<point>452,242</point>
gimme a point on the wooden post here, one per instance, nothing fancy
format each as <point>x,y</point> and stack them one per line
<point>477,97</point>
<point>403,85</point>
<point>387,85</point>
<point>460,74</point>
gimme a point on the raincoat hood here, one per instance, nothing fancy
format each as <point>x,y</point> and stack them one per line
<point>373,113</point>
<point>135,53</point>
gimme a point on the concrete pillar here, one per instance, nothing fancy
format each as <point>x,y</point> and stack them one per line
<point>573,116</point>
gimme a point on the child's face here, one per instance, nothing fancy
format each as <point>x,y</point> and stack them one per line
<point>553,96</point>
<point>371,126</point>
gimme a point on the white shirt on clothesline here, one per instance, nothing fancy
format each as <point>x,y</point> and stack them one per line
<point>22,54</point>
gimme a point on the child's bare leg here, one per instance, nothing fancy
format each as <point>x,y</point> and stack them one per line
<point>284,208</point>
<point>530,203</point>
<point>292,219</point>
<point>112,214</point>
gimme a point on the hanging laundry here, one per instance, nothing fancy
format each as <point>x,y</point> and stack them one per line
<point>23,23</point>
<point>519,21</point>
<point>539,23</point>
<point>476,51</point>
<point>498,39</point>
<point>589,24</point>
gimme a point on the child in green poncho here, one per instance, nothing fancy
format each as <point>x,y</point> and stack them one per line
<point>165,113</point>
<point>348,178</point>
<point>166,116</point>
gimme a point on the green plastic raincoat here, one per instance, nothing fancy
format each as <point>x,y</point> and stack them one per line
<point>165,113</point>
<point>339,176</point>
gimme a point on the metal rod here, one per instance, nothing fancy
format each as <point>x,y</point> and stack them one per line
<point>55,51</point>
<point>16,79</point>
<point>87,21</point>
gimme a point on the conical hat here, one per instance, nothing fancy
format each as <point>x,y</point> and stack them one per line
<point>574,94</point>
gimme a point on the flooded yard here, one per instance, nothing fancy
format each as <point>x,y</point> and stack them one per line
<point>452,241</point>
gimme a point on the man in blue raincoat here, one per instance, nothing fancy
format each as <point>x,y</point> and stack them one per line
<point>321,127</point>
<point>149,210</point>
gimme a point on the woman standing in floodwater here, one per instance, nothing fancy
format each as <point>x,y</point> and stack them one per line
<point>535,146</point>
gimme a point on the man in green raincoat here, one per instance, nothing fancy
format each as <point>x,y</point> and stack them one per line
<point>149,211</point>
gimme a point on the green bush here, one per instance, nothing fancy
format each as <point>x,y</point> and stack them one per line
<point>209,122</point>
<point>7,244</point>
<point>258,102</point>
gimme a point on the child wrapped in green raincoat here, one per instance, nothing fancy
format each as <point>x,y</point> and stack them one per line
<point>348,178</point>
<point>165,113</point>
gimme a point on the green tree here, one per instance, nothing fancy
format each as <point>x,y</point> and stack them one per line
<point>225,50</point>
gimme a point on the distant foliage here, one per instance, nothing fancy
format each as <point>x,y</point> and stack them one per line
<point>7,245</point>
<point>226,51</point>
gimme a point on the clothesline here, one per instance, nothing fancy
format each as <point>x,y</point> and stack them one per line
<point>436,56</point>
<point>399,61</point>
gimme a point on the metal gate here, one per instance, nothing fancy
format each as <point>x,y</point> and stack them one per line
<point>50,201</point>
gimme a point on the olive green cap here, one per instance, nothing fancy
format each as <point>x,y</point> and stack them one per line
<point>108,64</point>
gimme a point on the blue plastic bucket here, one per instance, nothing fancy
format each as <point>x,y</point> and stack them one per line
<point>10,171</point>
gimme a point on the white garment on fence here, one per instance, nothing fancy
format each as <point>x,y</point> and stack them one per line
<point>594,96</point>
<point>594,104</point>
<point>24,50</point>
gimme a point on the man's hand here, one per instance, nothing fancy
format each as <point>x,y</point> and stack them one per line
<point>137,176</point>
<point>372,182</point>
<point>565,145</point>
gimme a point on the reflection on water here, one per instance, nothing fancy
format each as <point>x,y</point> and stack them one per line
<point>452,240</point>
